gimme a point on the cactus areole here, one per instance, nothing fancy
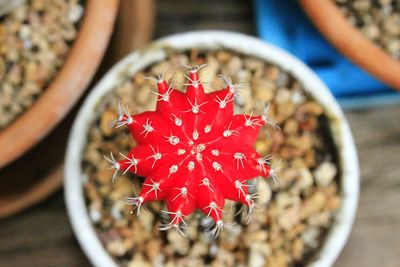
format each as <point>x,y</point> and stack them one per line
<point>193,151</point>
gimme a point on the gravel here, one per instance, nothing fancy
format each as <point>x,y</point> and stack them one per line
<point>293,216</point>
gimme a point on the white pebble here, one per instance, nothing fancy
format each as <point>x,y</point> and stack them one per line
<point>75,12</point>
<point>325,173</point>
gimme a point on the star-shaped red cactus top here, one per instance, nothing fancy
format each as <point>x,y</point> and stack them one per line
<point>193,151</point>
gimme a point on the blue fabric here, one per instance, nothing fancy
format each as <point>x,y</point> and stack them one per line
<point>283,23</point>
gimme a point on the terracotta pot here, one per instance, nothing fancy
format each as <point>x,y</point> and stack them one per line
<point>351,42</point>
<point>66,88</point>
<point>25,187</point>
<point>211,40</point>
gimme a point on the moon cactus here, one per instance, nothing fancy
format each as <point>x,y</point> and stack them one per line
<point>193,151</point>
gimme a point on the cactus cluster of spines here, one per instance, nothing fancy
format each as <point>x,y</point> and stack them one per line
<point>193,151</point>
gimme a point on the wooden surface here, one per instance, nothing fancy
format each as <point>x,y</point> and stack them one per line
<point>134,27</point>
<point>375,239</point>
<point>42,236</point>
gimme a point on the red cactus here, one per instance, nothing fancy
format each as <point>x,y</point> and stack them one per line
<point>193,151</point>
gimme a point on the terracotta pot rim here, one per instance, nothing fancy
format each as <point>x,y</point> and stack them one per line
<point>211,40</point>
<point>351,42</point>
<point>58,98</point>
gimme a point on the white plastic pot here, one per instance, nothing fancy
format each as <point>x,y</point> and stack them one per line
<point>139,60</point>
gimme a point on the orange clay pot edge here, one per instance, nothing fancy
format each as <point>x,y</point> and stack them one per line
<point>68,85</point>
<point>350,41</point>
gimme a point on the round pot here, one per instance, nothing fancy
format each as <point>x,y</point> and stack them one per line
<point>351,42</point>
<point>66,88</point>
<point>212,40</point>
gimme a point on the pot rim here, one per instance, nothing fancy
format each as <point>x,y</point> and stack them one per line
<point>243,44</point>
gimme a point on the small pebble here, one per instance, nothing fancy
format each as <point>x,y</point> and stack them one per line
<point>116,248</point>
<point>258,254</point>
<point>179,242</point>
<point>325,173</point>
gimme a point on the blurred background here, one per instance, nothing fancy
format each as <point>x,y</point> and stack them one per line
<point>34,226</point>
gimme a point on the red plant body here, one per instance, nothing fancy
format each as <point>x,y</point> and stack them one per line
<point>193,151</point>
